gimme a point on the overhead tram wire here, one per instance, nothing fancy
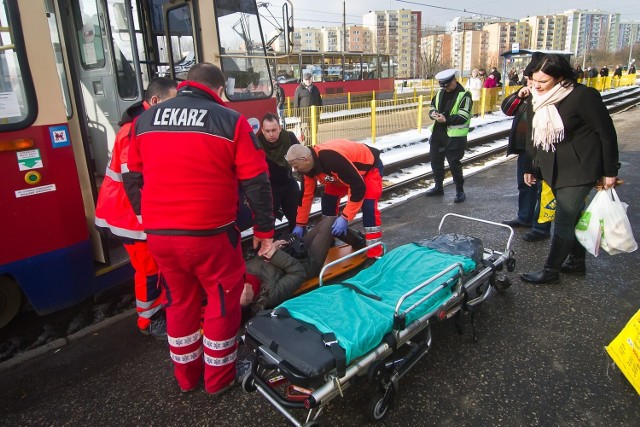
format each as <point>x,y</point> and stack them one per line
<point>453,9</point>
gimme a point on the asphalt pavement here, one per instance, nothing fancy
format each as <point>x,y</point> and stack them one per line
<point>539,358</point>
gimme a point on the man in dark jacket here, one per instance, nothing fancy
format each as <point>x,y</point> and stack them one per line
<point>604,71</point>
<point>306,96</point>
<point>275,142</point>
<point>451,112</point>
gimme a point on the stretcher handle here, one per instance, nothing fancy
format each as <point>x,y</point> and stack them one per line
<point>457,265</point>
<point>470,218</point>
<point>351,255</point>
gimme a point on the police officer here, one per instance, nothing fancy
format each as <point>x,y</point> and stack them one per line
<point>451,112</point>
<point>190,153</point>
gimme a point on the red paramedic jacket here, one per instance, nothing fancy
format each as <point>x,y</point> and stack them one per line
<point>113,209</point>
<point>341,163</point>
<point>186,159</point>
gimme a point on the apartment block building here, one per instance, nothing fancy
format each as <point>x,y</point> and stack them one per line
<point>628,34</point>
<point>501,38</point>
<point>591,30</point>
<point>469,49</point>
<point>546,32</point>
<point>396,33</point>
<point>359,39</point>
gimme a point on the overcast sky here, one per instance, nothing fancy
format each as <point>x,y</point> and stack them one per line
<point>328,13</point>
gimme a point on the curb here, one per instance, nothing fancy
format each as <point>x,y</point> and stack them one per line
<point>61,342</point>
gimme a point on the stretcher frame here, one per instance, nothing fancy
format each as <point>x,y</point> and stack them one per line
<point>377,365</point>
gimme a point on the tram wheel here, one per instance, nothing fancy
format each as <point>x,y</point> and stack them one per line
<point>379,404</point>
<point>10,300</point>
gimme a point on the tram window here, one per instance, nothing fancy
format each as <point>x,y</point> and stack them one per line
<point>54,31</point>
<point>85,14</point>
<point>312,64</point>
<point>372,67</point>
<point>241,39</point>
<point>17,97</point>
<point>352,68</point>
<point>122,46</point>
<point>181,36</point>
<point>332,67</point>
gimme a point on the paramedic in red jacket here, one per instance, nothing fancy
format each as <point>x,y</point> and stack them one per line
<point>346,168</point>
<point>186,159</point>
<point>115,216</point>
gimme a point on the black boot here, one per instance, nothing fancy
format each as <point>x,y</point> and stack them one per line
<point>460,197</point>
<point>558,252</point>
<point>576,261</point>
<point>354,238</point>
<point>435,191</point>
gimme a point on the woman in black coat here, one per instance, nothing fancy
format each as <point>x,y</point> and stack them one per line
<point>575,146</point>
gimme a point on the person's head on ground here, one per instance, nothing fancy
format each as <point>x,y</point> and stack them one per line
<point>551,70</point>
<point>160,89</point>
<point>447,79</point>
<point>300,158</point>
<point>271,127</point>
<point>209,75</point>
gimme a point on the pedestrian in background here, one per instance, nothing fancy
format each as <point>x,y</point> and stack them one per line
<point>575,146</point>
<point>306,96</point>
<point>475,85</point>
<point>280,101</point>
<point>519,105</point>
<point>115,216</point>
<point>190,153</point>
<point>275,142</point>
<point>451,112</point>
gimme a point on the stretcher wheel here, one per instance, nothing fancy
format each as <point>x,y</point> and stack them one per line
<point>379,404</point>
<point>247,383</point>
<point>502,283</point>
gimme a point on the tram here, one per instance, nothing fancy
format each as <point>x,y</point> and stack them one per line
<point>68,70</point>
<point>336,73</point>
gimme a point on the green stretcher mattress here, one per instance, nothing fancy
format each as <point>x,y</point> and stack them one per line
<point>358,321</point>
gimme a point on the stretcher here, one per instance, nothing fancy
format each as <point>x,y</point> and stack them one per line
<point>373,326</point>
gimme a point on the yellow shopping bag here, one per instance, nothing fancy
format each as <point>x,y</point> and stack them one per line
<point>547,204</point>
<point>625,351</point>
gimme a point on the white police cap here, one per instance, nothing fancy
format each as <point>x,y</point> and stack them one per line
<point>446,75</point>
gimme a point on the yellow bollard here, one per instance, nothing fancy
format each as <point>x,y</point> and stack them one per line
<point>414,94</point>
<point>373,95</point>
<point>348,100</point>
<point>395,97</point>
<point>483,99</point>
<point>373,121</point>
<point>420,100</point>
<point>314,126</point>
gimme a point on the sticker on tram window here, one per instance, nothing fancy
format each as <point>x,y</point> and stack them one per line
<point>29,159</point>
<point>59,136</point>
<point>35,190</point>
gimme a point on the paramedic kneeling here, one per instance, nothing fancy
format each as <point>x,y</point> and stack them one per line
<point>190,153</point>
<point>346,168</point>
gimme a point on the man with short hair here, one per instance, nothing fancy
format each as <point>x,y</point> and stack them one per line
<point>115,215</point>
<point>190,153</point>
<point>275,142</point>
<point>307,95</point>
<point>451,112</point>
<point>346,168</point>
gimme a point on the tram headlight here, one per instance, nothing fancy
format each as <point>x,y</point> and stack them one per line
<point>16,144</point>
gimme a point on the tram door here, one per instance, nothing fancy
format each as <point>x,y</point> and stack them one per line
<point>103,58</point>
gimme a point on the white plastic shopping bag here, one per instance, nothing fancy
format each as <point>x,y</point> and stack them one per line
<point>617,236</point>
<point>588,229</point>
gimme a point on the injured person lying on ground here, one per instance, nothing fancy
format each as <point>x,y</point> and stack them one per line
<point>292,262</point>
